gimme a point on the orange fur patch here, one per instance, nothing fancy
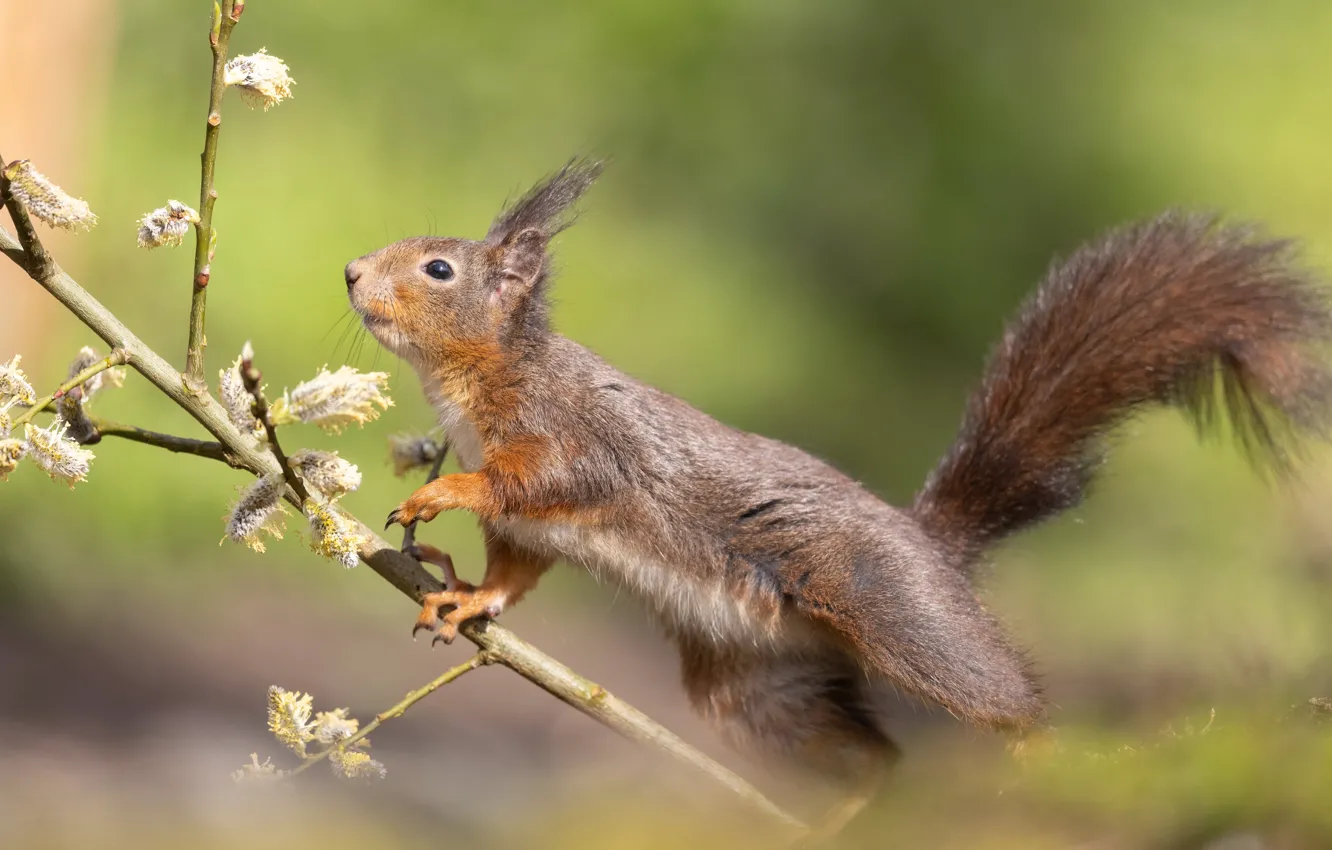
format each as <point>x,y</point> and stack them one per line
<point>519,458</point>
<point>467,367</point>
<point>409,294</point>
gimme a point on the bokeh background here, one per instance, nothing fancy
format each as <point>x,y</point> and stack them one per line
<point>819,215</point>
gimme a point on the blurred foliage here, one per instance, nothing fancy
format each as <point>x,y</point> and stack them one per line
<point>818,218</point>
<point>1253,781</point>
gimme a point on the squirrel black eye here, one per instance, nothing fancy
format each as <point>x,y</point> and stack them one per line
<point>439,270</point>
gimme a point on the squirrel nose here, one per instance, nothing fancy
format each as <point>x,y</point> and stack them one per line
<point>352,273</point>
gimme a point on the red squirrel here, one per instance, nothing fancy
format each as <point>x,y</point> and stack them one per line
<point>788,587</point>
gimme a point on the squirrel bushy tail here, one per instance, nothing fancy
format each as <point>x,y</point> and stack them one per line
<point>1154,313</point>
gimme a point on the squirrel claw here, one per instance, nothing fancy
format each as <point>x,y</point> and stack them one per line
<point>467,603</point>
<point>392,518</point>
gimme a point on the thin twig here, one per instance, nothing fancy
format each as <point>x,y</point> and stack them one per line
<point>225,17</point>
<point>394,566</point>
<point>178,445</point>
<point>409,533</point>
<point>118,357</point>
<point>479,660</point>
<point>252,378</point>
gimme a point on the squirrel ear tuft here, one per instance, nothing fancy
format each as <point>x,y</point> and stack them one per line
<point>549,206</point>
<point>524,256</point>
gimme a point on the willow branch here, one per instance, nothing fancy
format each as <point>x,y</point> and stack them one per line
<point>32,256</point>
<point>225,17</point>
<point>15,253</point>
<point>252,379</point>
<point>117,357</point>
<point>478,660</point>
<point>394,566</point>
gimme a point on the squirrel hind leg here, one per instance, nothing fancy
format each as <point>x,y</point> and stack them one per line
<point>912,619</point>
<point>807,715</point>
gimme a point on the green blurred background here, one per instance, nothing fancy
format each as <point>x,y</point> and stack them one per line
<point>818,218</point>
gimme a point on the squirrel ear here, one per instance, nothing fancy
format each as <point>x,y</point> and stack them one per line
<point>524,256</point>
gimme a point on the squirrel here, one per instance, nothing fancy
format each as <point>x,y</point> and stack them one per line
<point>790,590</point>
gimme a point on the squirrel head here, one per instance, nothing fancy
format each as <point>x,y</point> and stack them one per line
<point>423,296</point>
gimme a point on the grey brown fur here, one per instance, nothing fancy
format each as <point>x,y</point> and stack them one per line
<point>789,588</point>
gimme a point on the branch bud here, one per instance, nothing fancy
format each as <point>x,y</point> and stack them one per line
<point>262,80</point>
<point>166,225</point>
<point>45,200</point>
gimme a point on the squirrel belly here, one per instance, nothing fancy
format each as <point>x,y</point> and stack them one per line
<point>683,601</point>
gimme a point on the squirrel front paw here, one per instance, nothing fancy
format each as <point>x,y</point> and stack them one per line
<point>467,491</point>
<point>407,513</point>
<point>468,602</point>
<point>422,506</point>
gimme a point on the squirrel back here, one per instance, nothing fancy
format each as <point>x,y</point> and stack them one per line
<point>1154,313</point>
